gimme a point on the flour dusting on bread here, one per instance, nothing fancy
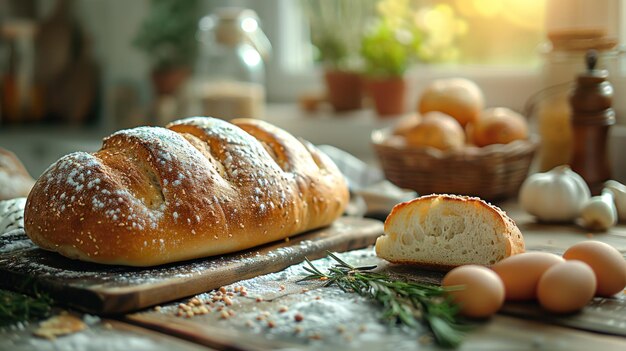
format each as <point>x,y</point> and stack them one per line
<point>200,187</point>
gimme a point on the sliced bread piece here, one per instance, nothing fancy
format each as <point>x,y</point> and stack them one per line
<point>445,231</point>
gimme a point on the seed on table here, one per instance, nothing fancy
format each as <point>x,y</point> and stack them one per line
<point>270,324</point>
<point>157,308</point>
<point>227,300</point>
<point>189,314</point>
<point>258,299</point>
<point>224,314</point>
<point>283,309</point>
<point>298,317</point>
<point>223,290</point>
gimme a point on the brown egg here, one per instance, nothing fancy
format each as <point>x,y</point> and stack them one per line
<point>481,291</point>
<point>566,287</point>
<point>498,125</point>
<point>436,130</point>
<point>607,263</point>
<point>521,273</point>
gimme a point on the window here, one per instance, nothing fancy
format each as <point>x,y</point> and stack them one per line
<point>495,42</point>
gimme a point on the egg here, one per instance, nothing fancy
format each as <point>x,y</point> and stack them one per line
<point>480,293</point>
<point>521,273</point>
<point>607,263</point>
<point>566,287</point>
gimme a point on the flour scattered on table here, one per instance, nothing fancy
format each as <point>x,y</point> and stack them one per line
<point>278,307</point>
<point>12,236</point>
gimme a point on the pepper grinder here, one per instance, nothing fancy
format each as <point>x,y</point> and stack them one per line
<point>592,116</point>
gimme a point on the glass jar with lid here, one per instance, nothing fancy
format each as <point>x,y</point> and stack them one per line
<point>563,60</point>
<point>229,76</point>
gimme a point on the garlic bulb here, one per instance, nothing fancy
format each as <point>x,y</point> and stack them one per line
<point>599,213</point>
<point>619,197</point>
<point>554,196</point>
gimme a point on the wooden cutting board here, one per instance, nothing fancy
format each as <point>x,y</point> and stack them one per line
<point>117,289</point>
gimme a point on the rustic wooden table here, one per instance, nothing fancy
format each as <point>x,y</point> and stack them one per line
<point>331,319</point>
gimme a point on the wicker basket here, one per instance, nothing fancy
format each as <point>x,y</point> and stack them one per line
<point>493,172</point>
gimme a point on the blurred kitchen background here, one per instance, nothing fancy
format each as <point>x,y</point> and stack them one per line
<point>74,71</point>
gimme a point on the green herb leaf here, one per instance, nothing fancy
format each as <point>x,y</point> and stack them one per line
<point>16,307</point>
<point>403,302</point>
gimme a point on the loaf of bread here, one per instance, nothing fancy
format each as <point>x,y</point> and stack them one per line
<point>445,231</point>
<point>199,187</point>
<point>14,179</point>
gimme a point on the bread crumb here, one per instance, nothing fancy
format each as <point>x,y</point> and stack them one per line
<point>298,317</point>
<point>59,325</point>
<point>283,309</point>
<point>224,314</point>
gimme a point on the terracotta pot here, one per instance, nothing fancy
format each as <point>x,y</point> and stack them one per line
<point>388,94</point>
<point>167,81</point>
<point>343,90</point>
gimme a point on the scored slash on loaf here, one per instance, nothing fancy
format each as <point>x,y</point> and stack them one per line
<point>199,187</point>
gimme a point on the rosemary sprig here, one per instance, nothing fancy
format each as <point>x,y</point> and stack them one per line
<point>403,302</point>
<point>16,307</point>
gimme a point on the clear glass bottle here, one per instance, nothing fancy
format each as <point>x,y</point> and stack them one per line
<point>229,76</point>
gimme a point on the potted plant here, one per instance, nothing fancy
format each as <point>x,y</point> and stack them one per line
<point>336,30</point>
<point>388,50</point>
<point>168,37</point>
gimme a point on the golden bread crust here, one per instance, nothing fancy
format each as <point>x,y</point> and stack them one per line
<point>513,239</point>
<point>199,187</point>
<point>14,178</point>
